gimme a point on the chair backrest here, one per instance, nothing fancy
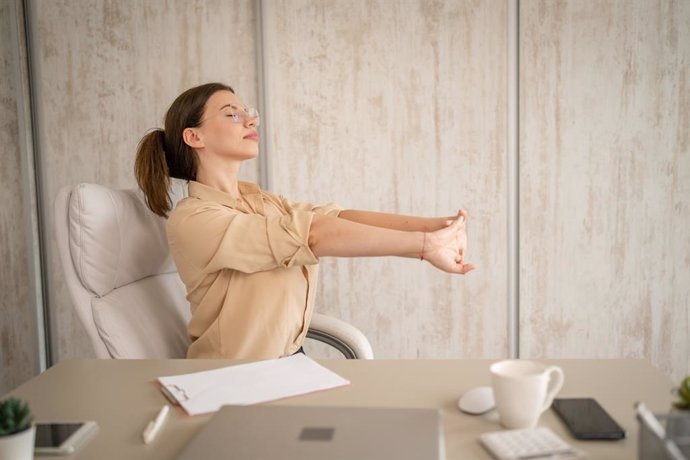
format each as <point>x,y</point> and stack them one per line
<point>121,278</point>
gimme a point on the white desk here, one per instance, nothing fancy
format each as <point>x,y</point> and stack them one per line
<point>121,397</point>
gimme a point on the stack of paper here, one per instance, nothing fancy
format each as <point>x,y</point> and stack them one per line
<point>207,391</point>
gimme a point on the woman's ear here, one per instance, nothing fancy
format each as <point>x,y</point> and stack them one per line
<point>191,138</point>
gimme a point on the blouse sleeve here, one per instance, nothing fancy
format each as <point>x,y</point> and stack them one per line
<point>215,237</point>
<point>328,209</point>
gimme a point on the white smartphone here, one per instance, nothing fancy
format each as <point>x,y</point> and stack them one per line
<point>62,438</point>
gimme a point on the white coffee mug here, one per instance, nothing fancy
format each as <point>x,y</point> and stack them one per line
<point>523,390</point>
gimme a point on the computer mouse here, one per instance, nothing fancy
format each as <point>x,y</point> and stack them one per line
<point>477,401</point>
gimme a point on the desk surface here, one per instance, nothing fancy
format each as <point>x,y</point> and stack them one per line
<point>121,397</point>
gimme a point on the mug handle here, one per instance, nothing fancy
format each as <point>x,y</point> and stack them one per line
<point>556,379</point>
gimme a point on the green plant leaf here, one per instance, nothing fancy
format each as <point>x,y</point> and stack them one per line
<point>15,416</point>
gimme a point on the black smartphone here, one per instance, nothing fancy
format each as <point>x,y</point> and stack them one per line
<point>62,438</point>
<point>586,419</point>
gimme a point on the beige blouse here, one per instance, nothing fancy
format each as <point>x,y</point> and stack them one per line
<point>249,272</point>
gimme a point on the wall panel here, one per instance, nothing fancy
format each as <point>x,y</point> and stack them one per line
<point>605,180</point>
<point>106,72</point>
<point>398,107</point>
<point>18,353</point>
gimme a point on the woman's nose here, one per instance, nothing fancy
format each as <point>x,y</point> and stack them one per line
<point>251,122</point>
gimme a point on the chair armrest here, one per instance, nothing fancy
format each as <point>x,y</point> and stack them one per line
<point>343,336</point>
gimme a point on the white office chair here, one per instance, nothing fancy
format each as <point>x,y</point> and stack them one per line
<point>124,285</point>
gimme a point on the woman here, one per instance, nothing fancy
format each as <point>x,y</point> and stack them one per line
<point>248,258</point>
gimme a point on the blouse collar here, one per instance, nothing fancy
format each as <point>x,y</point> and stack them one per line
<point>249,191</point>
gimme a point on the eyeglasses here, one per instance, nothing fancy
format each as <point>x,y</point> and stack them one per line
<point>237,114</point>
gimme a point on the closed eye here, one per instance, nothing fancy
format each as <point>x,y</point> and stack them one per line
<point>238,114</point>
<point>234,112</point>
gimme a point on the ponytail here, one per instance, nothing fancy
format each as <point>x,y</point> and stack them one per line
<point>152,173</point>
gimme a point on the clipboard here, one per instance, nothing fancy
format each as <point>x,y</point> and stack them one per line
<point>243,384</point>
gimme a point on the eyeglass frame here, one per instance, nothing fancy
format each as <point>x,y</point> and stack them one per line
<point>240,114</point>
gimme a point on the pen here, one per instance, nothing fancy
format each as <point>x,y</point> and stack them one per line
<point>568,453</point>
<point>154,426</point>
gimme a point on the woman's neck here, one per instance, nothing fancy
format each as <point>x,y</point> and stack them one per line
<point>222,177</point>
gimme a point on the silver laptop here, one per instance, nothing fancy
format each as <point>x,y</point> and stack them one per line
<point>318,433</point>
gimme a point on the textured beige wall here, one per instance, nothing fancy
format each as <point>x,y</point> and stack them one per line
<point>605,180</point>
<point>398,107</point>
<point>401,107</point>
<point>106,73</point>
<point>18,360</point>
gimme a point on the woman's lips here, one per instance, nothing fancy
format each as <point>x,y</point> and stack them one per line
<point>252,136</point>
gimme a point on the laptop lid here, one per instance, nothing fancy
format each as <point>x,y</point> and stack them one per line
<point>318,433</point>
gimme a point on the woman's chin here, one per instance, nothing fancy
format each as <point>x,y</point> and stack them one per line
<point>252,155</point>
<point>248,155</point>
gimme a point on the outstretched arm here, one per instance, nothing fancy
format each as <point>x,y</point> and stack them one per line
<point>443,248</point>
<point>395,221</point>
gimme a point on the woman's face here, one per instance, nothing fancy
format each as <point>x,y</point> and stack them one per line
<point>227,129</point>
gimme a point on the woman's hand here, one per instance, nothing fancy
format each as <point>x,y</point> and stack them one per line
<point>445,248</point>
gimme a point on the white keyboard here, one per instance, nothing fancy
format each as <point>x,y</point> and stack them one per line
<point>532,443</point>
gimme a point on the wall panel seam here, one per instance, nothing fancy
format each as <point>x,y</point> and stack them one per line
<point>30,182</point>
<point>265,171</point>
<point>513,175</point>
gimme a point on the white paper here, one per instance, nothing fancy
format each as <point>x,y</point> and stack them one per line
<point>207,391</point>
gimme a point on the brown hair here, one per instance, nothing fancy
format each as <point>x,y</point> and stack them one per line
<point>163,154</point>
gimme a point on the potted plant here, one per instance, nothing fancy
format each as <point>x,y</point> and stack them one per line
<point>683,392</point>
<point>16,430</point>
<point>678,423</point>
